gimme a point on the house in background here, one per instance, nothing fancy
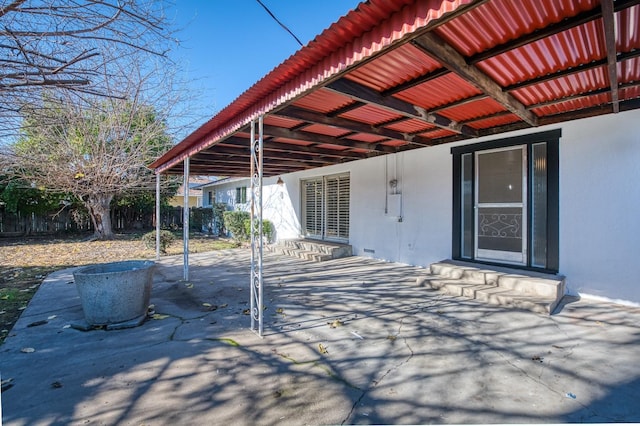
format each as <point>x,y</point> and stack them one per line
<point>471,131</point>
<point>195,192</point>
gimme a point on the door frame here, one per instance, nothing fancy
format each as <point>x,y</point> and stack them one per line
<point>463,168</point>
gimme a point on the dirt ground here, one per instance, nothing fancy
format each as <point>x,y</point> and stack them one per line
<point>26,261</point>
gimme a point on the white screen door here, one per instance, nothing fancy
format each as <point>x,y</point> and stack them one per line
<point>500,205</point>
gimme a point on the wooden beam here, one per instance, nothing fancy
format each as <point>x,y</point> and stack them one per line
<point>244,153</point>
<point>608,21</point>
<point>241,162</point>
<point>440,50</point>
<point>355,126</point>
<point>289,147</point>
<point>365,94</point>
<point>282,132</point>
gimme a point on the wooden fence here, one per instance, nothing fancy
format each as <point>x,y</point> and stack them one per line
<point>122,219</point>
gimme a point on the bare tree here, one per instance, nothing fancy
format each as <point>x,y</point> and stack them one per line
<point>92,148</point>
<point>75,46</point>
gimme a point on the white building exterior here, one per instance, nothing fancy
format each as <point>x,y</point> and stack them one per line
<point>599,201</point>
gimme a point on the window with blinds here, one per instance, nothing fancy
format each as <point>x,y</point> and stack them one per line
<point>325,203</point>
<point>312,203</point>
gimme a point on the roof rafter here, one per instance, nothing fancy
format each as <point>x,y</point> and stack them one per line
<point>245,155</point>
<point>323,139</point>
<point>608,21</point>
<point>440,50</point>
<point>365,94</point>
<point>356,126</point>
<point>277,146</point>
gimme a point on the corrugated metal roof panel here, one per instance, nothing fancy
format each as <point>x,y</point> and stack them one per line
<point>332,147</point>
<point>629,70</point>
<point>628,28</point>
<point>291,141</point>
<point>324,101</point>
<point>370,114</point>
<point>494,121</point>
<point>281,122</point>
<point>582,82</point>
<point>630,93</point>
<point>395,143</point>
<point>438,133</point>
<point>366,137</point>
<point>396,67</point>
<point>322,129</point>
<point>368,46</point>
<point>409,126</point>
<point>499,21</point>
<point>565,50</point>
<point>440,91</point>
<point>573,105</point>
<point>371,28</point>
<point>473,110</point>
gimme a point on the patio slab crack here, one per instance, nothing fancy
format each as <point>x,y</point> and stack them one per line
<point>375,383</point>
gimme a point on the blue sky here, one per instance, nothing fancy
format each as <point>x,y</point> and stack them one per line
<point>228,45</point>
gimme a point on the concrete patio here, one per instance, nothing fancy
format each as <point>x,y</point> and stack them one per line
<point>346,341</point>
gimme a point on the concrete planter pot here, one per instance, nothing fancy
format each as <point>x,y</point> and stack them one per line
<point>115,295</point>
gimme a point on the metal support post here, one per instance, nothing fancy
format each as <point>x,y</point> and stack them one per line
<point>257,305</point>
<point>185,220</point>
<point>157,215</point>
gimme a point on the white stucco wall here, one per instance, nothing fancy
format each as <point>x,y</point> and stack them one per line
<point>277,205</point>
<point>599,204</point>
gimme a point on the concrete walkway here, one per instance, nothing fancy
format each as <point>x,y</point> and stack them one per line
<point>398,353</point>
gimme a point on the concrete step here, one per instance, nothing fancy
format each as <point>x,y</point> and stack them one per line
<point>498,286</point>
<point>316,251</point>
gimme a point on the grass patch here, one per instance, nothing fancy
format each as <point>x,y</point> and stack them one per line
<point>27,261</point>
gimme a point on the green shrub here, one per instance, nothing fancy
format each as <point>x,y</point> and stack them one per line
<point>166,238</point>
<point>267,229</point>
<point>200,217</point>
<point>234,223</point>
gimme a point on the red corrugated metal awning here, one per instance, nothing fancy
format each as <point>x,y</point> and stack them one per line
<point>394,75</point>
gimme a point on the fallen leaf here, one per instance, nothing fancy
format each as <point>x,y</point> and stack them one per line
<point>224,305</point>
<point>391,337</point>
<point>323,350</point>
<point>336,323</point>
<point>56,385</point>
<point>246,311</point>
<point>279,311</point>
<point>159,316</point>
<point>188,285</point>
<point>27,350</point>
<point>210,307</point>
<point>50,317</point>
